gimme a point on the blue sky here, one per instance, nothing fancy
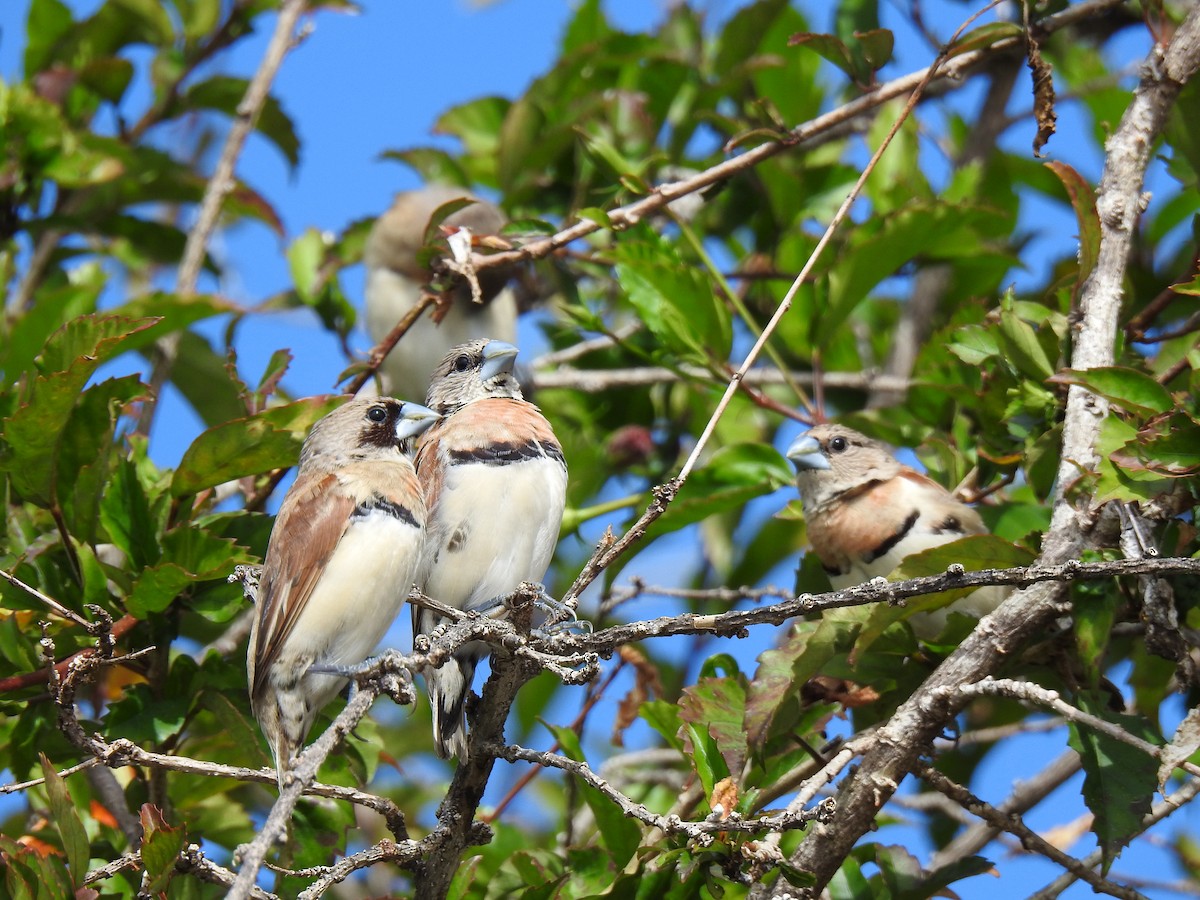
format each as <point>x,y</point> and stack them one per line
<point>362,84</point>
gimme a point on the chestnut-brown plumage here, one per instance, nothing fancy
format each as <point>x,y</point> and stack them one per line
<point>494,482</point>
<point>865,512</point>
<point>342,557</point>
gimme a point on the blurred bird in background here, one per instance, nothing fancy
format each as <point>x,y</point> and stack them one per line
<point>495,486</point>
<point>395,280</point>
<point>342,557</point>
<point>865,512</point>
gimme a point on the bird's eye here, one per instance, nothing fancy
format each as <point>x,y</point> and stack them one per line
<point>377,414</point>
<point>462,363</point>
<point>838,444</point>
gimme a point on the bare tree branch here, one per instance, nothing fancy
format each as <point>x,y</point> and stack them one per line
<point>1024,797</point>
<point>222,181</point>
<point>878,590</point>
<point>1158,812</point>
<point>701,832</point>
<point>1031,840</point>
<point>595,380</point>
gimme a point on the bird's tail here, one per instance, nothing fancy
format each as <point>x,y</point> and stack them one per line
<point>449,687</point>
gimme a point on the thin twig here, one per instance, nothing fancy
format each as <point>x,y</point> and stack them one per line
<point>701,832</point>
<point>222,181</point>
<point>1158,812</point>
<point>53,604</point>
<point>1031,840</point>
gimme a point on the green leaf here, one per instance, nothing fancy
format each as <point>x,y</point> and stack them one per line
<point>733,475</point>
<point>973,344</point>
<point>705,757</point>
<point>663,717</point>
<point>475,123</point>
<point>876,46</point>
<point>1183,136</point>
<point>33,432</point>
<point>55,306</point>
<point>249,446</point>
<point>783,671</point>
<point>1127,388</point>
<point>87,449</point>
<point>916,230</point>
<point>620,834</point>
<point>1095,609</point>
<point>161,844</point>
<point>434,165</point>
<point>976,552</point>
<point>29,876</point>
<point>49,21</point>
<point>131,517</point>
<point>587,27</point>
<point>829,47</point>
<point>1120,780</point>
<point>1021,347</point>
<point>938,882</point>
<point>70,827</point>
<point>718,705</point>
<point>224,94</point>
<point>189,555</point>
<point>1083,200</point>
<point>108,78</point>
<point>1124,473</point>
<point>1168,447</point>
<point>206,382</point>
<point>672,298</point>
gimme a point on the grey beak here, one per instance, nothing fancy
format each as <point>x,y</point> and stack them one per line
<point>497,357</point>
<point>806,453</point>
<point>414,419</point>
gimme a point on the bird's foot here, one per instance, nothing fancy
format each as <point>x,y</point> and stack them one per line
<point>557,617</point>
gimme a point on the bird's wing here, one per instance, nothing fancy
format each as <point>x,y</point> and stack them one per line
<point>314,516</point>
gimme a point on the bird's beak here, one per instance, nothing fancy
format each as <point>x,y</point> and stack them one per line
<point>806,453</point>
<point>497,357</point>
<point>414,419</point>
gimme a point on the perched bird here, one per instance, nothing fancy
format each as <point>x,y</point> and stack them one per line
<point>866,512</point>
<point>342,557</point>
<point>395,280</point>
<point>495,485</point>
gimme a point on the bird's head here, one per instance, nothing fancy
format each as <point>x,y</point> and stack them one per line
<point>832,460</point>
<point>473,371</point>
<point>365,428</point>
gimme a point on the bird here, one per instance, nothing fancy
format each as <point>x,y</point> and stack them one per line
<point>495,481</point>
<point>343,554</point>
<point>395,279</point>
<point>865,512</point>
